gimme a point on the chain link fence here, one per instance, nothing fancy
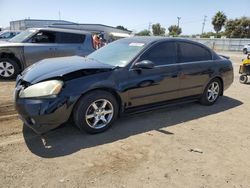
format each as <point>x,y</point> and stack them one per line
<point>224,44</point>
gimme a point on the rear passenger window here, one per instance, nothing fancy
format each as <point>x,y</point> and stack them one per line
<point>70,38</point>
<point>191,52</point>
<point>161,54</point>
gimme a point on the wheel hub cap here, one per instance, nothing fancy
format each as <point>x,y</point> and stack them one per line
<point>99,114</point>
<point>6,69</point>
<point>213,91</point>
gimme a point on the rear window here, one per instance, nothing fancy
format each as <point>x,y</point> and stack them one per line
<point>189,52</point>
<point>70,38</point>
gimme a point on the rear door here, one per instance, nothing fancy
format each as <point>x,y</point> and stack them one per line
<point>160,83</point>
<point>40,46</point>
<point>70,44</point>
<point>196,66</point>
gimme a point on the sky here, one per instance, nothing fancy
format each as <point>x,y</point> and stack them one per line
<point>132,14</point>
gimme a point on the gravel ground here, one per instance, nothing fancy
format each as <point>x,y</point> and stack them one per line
<point>182,146</point>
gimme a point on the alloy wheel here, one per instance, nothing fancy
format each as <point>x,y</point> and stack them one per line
<point>6,69</point>
<point>213,91</point>
<point>99,113</point>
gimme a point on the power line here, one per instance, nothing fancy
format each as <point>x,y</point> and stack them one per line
<point>191,21</point>
<point>203,24</point>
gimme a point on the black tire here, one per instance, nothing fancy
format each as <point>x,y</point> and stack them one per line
<point>9,69</point>
<point>243,79</point>
<point>205,99</point>
<point>83,106</point>
<point>245,51</point>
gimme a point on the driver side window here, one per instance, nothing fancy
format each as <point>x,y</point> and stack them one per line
<point>161,54</point>
<point>44,37</point>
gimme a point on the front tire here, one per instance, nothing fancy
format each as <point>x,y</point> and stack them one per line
<point>95,112</point>
<point>9,69</point>
<point>244,51</point>
<point>212,92</point>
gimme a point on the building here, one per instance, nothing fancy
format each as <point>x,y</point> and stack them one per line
<point>107,31</point>
<point>29,23</point>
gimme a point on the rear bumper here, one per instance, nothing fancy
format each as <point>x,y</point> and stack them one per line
<point>228,77</point>
<point>42,115</point>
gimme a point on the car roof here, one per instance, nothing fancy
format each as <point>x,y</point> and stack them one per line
<point>62,30</point>
<point>152,39</point>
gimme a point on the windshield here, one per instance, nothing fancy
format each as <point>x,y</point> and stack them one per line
<point>21,37</point>
<point>4,34</point>
<point>118,53</point>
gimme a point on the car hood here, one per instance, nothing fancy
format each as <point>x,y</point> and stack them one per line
<point>60,67</point>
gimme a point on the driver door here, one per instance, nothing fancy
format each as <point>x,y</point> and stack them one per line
<point>160,83</point>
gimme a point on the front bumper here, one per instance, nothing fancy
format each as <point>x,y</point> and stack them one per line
<point>43,115</point>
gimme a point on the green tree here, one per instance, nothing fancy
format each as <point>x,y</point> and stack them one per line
<point>238,28</point>
<point>121,27</point>
<point>219,21</point>
<point>174,30</point>
<point>209,34</point>
<point>158,30</point>
<point>144,33</point>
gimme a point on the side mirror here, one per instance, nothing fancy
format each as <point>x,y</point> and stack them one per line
<point>145,64</point>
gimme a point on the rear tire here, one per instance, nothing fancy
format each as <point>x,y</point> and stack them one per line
<point>212,92</point>
<point>243,79</point>
<point>95,112</point>
<point>9,69</point>
<point>244,51</point>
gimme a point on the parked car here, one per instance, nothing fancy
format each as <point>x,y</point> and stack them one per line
<point>127,76</point>
<point>6,35</point>
<point>246,49</point>
<point>33,45</point>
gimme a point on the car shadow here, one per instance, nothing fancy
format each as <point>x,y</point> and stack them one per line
<point>67,139</point>
<point>7,80</point>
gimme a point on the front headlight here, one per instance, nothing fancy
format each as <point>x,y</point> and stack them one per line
<point>42,89</point>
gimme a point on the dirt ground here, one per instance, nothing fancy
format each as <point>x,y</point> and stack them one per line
<point>182,146</point>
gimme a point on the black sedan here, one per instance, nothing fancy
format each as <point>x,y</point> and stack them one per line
<point>127,76</point>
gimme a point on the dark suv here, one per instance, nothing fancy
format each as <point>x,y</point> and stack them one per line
<point>36,44</point>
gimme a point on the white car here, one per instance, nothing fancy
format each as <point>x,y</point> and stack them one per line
<point>246,49</point>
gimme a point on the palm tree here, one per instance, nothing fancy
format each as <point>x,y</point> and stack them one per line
<point>219,21</point>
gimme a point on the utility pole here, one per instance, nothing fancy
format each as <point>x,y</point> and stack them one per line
<point>203,24</point>
<point>178,21</point>
<point>149,26</point>
<point>59,14</point>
